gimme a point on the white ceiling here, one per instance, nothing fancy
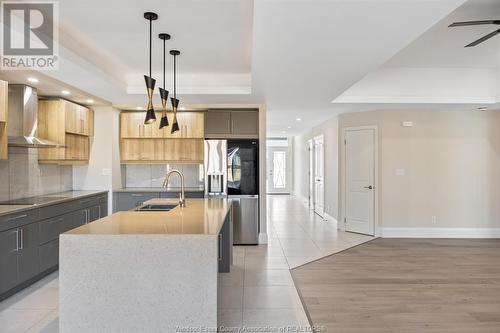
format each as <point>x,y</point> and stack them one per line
<point>437,68</point>
<point>294,55</point>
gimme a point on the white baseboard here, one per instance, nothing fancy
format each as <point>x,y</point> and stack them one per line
<point>262,238</point>
<point>439,232</point>
<point>331,219</point>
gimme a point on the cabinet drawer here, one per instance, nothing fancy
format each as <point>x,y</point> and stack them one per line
<point>50,229</point>
<point>49,255</point>
<point>58,209</point>
<point>88,202</point>
<point>18,219</point>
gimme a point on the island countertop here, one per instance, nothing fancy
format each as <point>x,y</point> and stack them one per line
<point>199,217</point>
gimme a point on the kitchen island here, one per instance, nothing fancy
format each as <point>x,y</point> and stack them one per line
<point>141,271</point>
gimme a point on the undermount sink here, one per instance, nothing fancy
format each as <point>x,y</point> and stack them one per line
<point>156,207</point>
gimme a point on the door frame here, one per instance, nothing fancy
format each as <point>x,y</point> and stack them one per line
<point>314,139</point>
<point>310,175</point>
<point>375,176</point>
<point>270,150</point>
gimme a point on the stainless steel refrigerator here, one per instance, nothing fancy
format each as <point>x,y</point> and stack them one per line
<point>232,169</point>
<point>243,188</point>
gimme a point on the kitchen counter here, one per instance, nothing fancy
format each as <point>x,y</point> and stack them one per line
<point>199,217</point>
<point>159,189</point>
<point>59,197</point>
<point>145,271</point>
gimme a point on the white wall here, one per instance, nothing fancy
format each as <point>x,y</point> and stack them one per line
<point>329,130</point>
<point>103,171</point>
<point>451,163</point>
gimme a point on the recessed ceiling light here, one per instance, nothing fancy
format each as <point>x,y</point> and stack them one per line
<point>89,101</point>
<point>65,92</point>
<point>289,127</point>
<point>33,80</point>
<point>482,108</point>
<point>138,107</point>
<point>298,119</point>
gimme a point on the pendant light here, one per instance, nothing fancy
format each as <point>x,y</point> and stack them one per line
<point>174,100</point>
<point>150,82</point>
<point>163,91</point>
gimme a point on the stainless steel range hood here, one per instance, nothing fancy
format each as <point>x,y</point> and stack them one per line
<point>23,118</point>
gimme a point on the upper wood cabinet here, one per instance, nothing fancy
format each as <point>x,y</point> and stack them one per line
<point>232,124</point>
<point>77,118</point>
<point>68,124</point>
<point>141,143</point>
<point>4,105</point>
<point>190,126</point>
<point>4,100</point>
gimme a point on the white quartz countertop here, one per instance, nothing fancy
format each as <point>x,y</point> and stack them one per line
<point>159,189</point>
<point>59,197</point>
<point>199,217</point>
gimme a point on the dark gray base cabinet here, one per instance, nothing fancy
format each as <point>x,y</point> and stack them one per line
<point>29,241</point>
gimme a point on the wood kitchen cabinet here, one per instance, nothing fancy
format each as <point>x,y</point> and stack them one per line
<point>184,150</point>
<point>222,124</point>
<point>77,118</point>
<point>190,126</point>
<point>136,150</point>
<point>148,144</point>
<point>4,99</point>
<point>68,124</point>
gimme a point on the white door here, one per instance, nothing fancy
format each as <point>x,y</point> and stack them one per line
<point>319,179</point>
<point>277,170</point>
<point>311,173</point>
<point>360,180</point>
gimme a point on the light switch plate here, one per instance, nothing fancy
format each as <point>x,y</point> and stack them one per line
<point>400,172</point>
<point>106,171</point>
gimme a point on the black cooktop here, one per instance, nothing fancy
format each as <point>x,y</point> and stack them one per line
<point>31,200</point>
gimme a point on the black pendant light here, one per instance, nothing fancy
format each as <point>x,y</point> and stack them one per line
<point>150,82</point>
<point>163,91</point>
<point>174,100</point>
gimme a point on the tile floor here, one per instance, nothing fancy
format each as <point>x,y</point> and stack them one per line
<point>258,292</point>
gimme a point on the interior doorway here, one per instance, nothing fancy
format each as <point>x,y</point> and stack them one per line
<point>278,166</point>
<point>311,173</point>
<point>360,179</point>
<point>317,175</point>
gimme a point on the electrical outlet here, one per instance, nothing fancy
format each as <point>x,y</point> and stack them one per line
<point>434,219</point>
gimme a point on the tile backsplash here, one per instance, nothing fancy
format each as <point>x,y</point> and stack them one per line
<point>152,175</point>
<point>22,176</point>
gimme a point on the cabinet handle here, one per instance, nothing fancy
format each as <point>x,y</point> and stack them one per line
<point>17,239</point>
<point>58,220</point>
<point>220,247</point>
<point>99,211</point>
<point>86,216</point>
<point>21,237</point>
<point>17,217</point>
<point>136,195</point>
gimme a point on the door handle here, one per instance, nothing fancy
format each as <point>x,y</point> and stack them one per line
<point>368,187</point>
<point>21,239</point>
<point>17,239</point>
<point>220,247</point>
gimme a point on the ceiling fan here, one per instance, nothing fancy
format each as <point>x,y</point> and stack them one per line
<point>482,39</point>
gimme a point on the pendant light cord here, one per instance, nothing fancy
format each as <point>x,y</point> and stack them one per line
<point>150,42</point>
<point>175,79</point>
<point>164,64</point>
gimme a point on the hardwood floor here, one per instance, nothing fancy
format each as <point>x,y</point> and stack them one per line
<point>405,285</point>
